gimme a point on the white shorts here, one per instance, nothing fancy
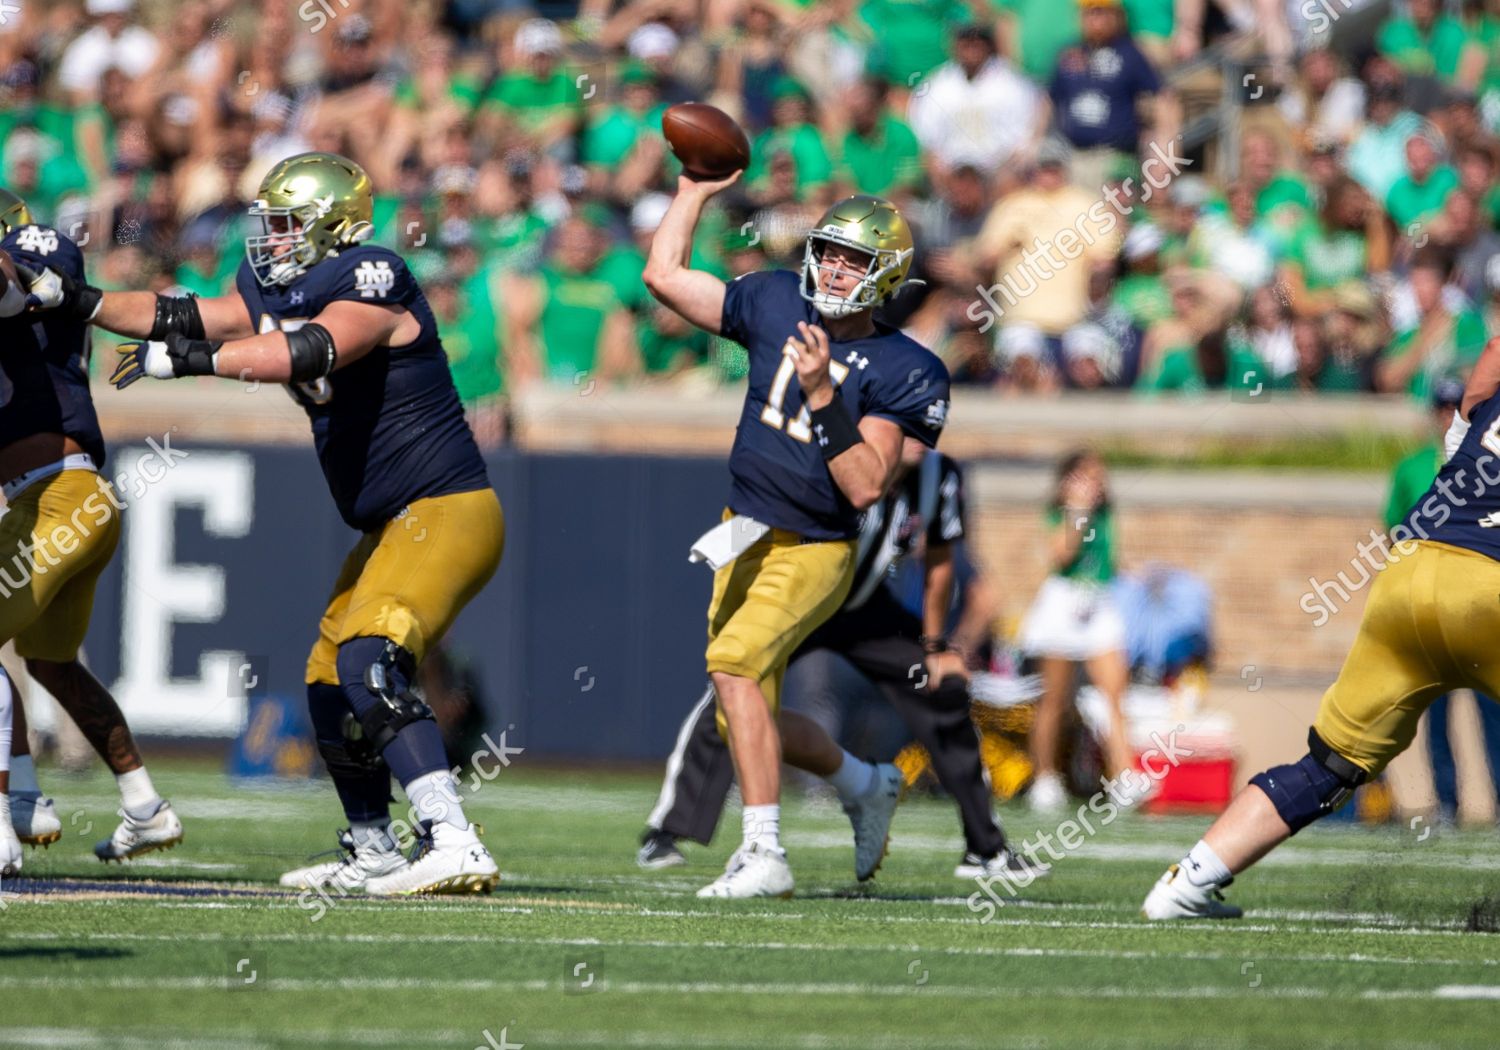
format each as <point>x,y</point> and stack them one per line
<point>1073,620</point>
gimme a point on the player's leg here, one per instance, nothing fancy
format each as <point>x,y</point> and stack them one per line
<point>81,502</point>
<point>1489,731</point>
<point>418,578</point>
<point>698,774</point>
<point>33,817</point>
<point>765,604</point>
<point>10,846</point>
<point>360,776</point>
<point>1399,663</point>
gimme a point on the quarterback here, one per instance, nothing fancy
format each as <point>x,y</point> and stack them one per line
<point>831,395</point>
<point>1429,627</point>
<point>58,531</point>
<point>346,327</point>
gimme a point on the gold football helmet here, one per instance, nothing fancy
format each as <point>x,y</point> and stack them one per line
<point>309,206</point>
<point>868,224</point>
<point>13,213</point>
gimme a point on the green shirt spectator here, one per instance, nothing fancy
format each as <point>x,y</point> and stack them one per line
<point>794,134</point>
<point>533,102</point>
<point>910,36</point>
<point>1433,51</point>
<point>1412,477</point>
<point>1455,354</point>
<point>1042,29</point>
<point>885,160</point>
<point>1094,561</point>
<point>1327,257</point>
<point>470,330</point>
<point>1410,201</point>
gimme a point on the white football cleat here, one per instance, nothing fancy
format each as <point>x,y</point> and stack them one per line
<point>161,830</point>
<point>452,860</point>
<point>753,871</point>
<point>357,866</point>
<point>1175,896</point>
<point>35,820</point>
<point>1047,794</point>
<point>870,814</point>
<point>1005,863</point>
<point>10,849</point>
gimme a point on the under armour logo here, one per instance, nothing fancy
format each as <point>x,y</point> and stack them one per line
<point>297,298</point>
<point>476,855</point>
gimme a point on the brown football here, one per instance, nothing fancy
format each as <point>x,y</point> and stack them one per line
<point>706,139</point>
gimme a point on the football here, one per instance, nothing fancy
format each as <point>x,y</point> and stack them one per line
<point>707,140</point>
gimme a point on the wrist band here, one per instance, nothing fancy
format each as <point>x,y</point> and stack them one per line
<point>931,645</point>
<point>835,429</point>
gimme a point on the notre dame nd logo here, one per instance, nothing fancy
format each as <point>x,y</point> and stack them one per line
<point>36,239</point>
<point>373,279</point>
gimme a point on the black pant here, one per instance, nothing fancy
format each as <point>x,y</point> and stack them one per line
<point>882,640</point>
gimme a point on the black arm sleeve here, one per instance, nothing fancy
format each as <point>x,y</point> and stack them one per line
<point>177,315</point>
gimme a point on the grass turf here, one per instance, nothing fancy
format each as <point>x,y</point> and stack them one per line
<point>1353,937</point>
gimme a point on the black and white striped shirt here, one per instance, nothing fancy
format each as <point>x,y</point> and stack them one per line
<point>930,500</point>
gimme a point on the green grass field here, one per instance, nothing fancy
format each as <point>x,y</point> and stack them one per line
<point>1353,937</point>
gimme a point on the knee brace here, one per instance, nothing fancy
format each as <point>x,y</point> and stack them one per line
<point>1321,782</point>
<point>340,737</point>
<point>386,676</point>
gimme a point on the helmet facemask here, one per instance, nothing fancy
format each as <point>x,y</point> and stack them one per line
<point>865,295</point>
<point>292,239</point>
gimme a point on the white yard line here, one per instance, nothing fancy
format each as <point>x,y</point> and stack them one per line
<point>1014,951</point>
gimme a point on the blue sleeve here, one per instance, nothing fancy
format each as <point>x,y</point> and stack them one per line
<point>1146,80</point>
<point>41,247</point>
<point>744,299</point>
<point>915,399</point>
<point>370,274</point>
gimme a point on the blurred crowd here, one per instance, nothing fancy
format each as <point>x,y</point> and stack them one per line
<point>1095,204</point>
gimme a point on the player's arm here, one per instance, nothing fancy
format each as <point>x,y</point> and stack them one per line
<point>937,598</point>
<point>141,315</point>
<point>861,457</point>
<point>342,333</point>
<point>1483,384</point>
<point>695,295</point>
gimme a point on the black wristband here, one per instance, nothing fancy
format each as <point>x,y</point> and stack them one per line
<point>177,315</point>
<point>835,429</point>
<point>931,645</point>
<point>191,357</point>
<point>82,300</point>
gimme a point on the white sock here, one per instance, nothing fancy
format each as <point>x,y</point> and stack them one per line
<point>137,796</point>
<point>7,703</point>
<point>1203,867</point>
<point>23,776</point>
<point>762,824</point>
<point>434,796</point>
<point>4,810</point>
<point>373,835</point>
<point>853,777</point>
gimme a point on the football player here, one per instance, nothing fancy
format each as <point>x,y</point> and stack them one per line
<point>886,644</point>
<point>57,534</point>
<point>831,394</point>
<point>345,326</point>
<point>1429,627</point>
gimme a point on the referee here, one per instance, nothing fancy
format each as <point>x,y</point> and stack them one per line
<point>907,657</point>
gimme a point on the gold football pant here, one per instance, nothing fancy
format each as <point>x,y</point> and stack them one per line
<point>768,600</point>
<point>409,579</point>
<point>1430,626</point>
<point>55,540</point>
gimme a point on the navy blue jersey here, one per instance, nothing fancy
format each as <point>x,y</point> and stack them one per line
<point>1462,506</point>
<point>1094,92</point>
<point>44,357</point>
<point>779,476</point>
<point>389,428</point>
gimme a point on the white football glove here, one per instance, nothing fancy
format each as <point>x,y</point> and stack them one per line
<point>149,358</point>
<point>1455,436</point>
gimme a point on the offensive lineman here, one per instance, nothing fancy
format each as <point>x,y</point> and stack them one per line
<point>1429,627</point>
<point>58,531</point>
<point>808,456</point>
<point>345,325</point>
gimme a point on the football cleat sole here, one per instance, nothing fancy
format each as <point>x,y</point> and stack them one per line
<point>40,840</point>
<point>456,885</point>
<point>142,851</point>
